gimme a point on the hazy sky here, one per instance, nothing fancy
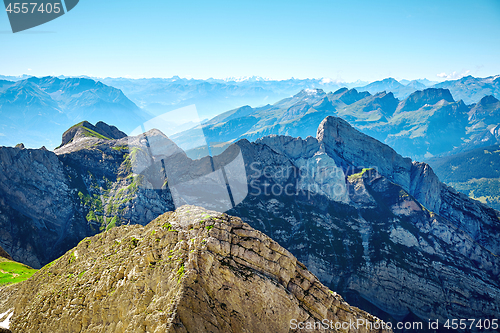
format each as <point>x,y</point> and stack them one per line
<point>347,40</point>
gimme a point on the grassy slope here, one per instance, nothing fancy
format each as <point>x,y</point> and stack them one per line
<point>13,272</point>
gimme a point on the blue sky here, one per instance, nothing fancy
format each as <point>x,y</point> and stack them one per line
<point>347,40</point>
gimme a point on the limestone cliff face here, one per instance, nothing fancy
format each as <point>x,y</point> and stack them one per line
<point>36,207</point>
<point>49,201</point>
<point>392,238</point>
<point>187,271</point>
<point>353,148</point>
<point>379,229</point>
<point>428,96</point>
<point>478,221</point>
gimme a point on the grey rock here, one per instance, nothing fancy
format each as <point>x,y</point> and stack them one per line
<point>50,201</point>
<point>393,238</point>
<point>4,254</point>
<point>428,96</point>
<point>402,242</point>
<point>353,148</point>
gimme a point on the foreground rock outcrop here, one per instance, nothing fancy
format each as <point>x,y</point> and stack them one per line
<point>187,271</point>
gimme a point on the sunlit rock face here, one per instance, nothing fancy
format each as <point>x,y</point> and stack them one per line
<point>396,239</point>
<point>375,227</point>
<point>191,270</point>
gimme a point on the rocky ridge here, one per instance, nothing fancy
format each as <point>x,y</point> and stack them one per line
<point>49,201</point>
<point>389,234</point>
<point>85,129</point>
<point>427,123</point>
<point>373,226</point>
<point>187,271</point>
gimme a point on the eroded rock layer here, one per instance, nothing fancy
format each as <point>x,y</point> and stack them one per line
<point>187,271</point>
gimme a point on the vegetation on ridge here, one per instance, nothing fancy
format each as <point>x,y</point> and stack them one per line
<point>12,272</point>
<point>359,174</point>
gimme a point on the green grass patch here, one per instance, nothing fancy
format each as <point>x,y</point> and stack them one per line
<point>112,224</point>
<point>181,272</point>
<point>12,272</point>
<point>120,148</point>
<point>168,226</point>
<point>358,175</point>
<point>72,258</point>
<point>134,242</point>
<point>90,133</point>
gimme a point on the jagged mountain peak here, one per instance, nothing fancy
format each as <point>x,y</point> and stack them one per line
<point>110,131</point>
<point>25,85</point>
<point>28,96</point>
<point>385,84</point>
<point>390,79</point>
<point>383,104</point>
<point>486,100</point>
<point>467,78</point>
<point>303,97</point>
<point>304,93</point>
<point>417,85</point>
<point>347,145</point>
<point>340,91</point>
<point>50,80</point>
<point>486,111</point>
<point>68,88</point>
<point>85,129</point>
<point>191,270</point>
<point>387,81</point>
<point>348,96</point>
<point>429,96</point>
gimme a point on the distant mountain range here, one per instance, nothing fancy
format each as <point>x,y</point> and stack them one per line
<point>471,89</point>
<point>50,105</point>
<point>36,110</point>
<point>428,122</point>
<point>214,96</point>
<point>397,88</point>
<point>468,89</point>
<point>14,77</point>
